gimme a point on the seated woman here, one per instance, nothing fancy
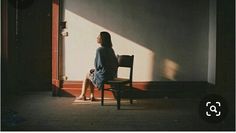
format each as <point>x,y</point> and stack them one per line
<point>106,66</point>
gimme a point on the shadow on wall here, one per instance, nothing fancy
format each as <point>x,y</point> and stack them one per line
<point>172,36</point>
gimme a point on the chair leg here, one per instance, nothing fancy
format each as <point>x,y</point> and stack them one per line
<point>118,99</point>
<point>131,101</point>
<point>131,97</point>
<point>102,98</point>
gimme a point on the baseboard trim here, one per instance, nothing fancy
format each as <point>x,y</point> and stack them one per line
<point>153,85</point>
<point>153,88</point>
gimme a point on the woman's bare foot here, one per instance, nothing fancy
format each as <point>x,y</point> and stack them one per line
<point>81,98</point>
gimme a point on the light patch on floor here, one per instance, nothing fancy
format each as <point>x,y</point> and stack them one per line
<point>98,101</point>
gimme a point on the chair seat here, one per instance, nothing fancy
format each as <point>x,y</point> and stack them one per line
<point>118,81</point>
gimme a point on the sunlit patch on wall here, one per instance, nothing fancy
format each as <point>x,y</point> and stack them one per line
<point>169,69</point>
<point>80,48</point>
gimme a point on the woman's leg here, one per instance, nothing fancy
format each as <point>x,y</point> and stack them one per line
<point>85,85</point>
<point>91,86</point>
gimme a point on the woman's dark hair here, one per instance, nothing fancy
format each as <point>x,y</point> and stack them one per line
<point>106,39</point>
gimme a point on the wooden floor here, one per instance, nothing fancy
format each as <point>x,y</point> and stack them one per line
<point>39,111</point>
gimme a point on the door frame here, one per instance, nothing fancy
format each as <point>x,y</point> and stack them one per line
<point>56,84</point>
<point>58,76</point>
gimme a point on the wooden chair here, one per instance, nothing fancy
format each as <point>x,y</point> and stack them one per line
<point>118,84</point>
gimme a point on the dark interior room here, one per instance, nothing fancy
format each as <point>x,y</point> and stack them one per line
<point>183,70</point>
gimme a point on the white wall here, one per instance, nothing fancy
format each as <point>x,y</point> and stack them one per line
<point>169,39</point>
<point>80,47</point>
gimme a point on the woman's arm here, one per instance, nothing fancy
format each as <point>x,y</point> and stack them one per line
<point>99,61</point>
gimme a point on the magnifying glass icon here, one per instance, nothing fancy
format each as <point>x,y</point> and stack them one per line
<point>213,108</point>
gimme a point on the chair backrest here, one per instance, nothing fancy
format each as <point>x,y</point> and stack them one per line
<point>126,61</point>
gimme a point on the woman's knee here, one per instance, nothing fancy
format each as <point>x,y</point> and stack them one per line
<point>87,75</point>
